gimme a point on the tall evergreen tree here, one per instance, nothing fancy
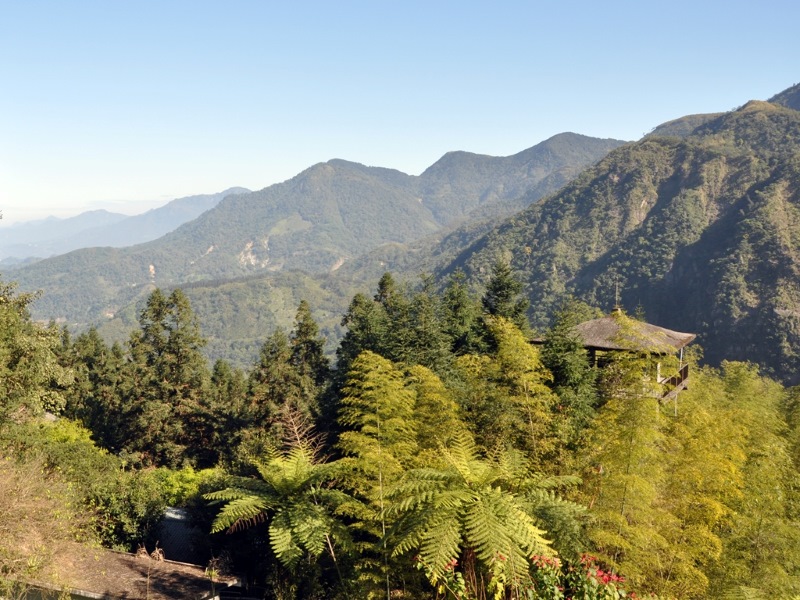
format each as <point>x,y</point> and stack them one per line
<point>308,351</point>
<point>367,326</point>
<point>170,376</point>
<point>428,344</point>
<point>461,317</point>
<point>220,416</point>
<point>574,378</point>
<point>274,384</point>
<point>502,297</point>
<point>96,397</point>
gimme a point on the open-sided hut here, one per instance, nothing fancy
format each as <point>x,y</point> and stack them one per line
<point>619,333</point>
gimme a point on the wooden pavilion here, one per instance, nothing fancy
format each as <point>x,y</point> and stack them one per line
<point>619,333</point>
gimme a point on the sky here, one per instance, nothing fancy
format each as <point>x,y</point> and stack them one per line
<point>127,105</point>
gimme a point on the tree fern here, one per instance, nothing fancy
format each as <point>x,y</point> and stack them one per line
<point>295,496</point>
<point>468,510</point>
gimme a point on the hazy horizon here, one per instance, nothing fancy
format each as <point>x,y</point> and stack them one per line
<point>126,107</point>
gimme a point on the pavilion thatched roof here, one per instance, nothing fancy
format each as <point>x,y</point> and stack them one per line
<point>619,332</point>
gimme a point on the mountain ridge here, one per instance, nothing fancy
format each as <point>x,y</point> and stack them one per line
<point>325,216</point>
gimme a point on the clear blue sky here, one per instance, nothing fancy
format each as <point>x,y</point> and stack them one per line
<point>126,105</point>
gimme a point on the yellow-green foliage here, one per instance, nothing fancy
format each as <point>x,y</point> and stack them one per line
<point>505,399</point>
<point>693,500</point>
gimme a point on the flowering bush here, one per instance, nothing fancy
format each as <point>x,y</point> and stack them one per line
<point>553,580</point>
<point>550,579</point>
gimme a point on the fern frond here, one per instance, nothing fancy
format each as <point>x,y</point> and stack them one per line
<point>283,542</point>
<point>240,512</point>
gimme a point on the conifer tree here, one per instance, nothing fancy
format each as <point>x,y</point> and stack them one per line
<point>461,317</point>
<point>428,344</point>
<point>502,297</point>
<point>274,383</point>
<point>308,355</point>
<point>574,378</point>
<point>221,416</point>
<point>367,326</point>
<point>96,396</point>
<point>398,341</point>
<point>170,376</point>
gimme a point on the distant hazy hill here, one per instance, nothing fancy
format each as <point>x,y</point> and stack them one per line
<point>156,222</point>
<point>51,237</point>
<point>702,232</point>
<point>42,238</point>
<point>316,222</point>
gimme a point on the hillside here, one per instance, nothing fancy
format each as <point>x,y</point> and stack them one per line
<point>323,218</point>
<point>702,232</point>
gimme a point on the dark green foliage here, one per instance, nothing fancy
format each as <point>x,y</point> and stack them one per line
<point>169,380</point>
<point>308,356</point>
<point>96,397</point>
<point>502,296</point>
<point>574,377</point>
<point>273,381</point>
<point>461,317</point>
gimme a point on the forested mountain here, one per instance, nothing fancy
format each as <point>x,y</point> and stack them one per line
<point>96,228</point>
<point>315,222</point>
<point>700,231</point>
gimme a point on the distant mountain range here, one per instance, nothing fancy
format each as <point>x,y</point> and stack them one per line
<point>315,222</point>
<point>53,236</point>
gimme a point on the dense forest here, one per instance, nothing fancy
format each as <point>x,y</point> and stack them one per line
<point>439,454</point>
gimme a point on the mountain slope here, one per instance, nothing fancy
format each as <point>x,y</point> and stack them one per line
<point>702,232</point>
<point>154,223</point>
<point>790,98</point>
